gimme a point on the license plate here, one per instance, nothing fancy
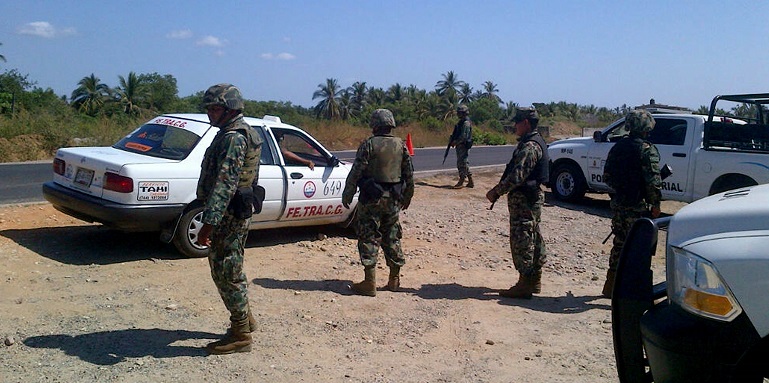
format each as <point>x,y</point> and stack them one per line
<point>84,177</point>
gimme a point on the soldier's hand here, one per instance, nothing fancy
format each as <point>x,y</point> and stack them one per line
<point>204,235</point>
<point>656,211</point>
<point>405,205</point>
<point>492,196</point>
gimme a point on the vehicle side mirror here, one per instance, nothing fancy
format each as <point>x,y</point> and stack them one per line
<point>597,136</point>
<point>333,161</point>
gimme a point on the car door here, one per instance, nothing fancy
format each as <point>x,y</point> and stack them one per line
<point>311,194</point>
<point>272,179</point>
<point>673,136</point>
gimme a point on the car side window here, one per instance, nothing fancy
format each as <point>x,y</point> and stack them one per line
<point>668,131</point>
<point>617,133</point>
<point>267,157</point>
<point>298,144</point>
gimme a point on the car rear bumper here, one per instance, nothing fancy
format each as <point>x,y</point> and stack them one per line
<point>682,347</point>
<point>119,216</point>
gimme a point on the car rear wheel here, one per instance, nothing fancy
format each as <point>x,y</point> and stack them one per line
<point>186,235</point>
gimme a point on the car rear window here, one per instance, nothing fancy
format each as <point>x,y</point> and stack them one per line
<point>161,141</point>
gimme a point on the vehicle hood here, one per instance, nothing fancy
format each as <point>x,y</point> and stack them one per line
<point>569,143</point>
<point>739,212</point>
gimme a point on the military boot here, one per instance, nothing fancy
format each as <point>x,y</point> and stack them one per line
<point>237,339</point>
<point>251,324</point>
<point>459,183</point>
<point>366,287</point>
<point>394,281</point>
<point>524,288</point>
<point>608,286</point>
<point>470,181</point>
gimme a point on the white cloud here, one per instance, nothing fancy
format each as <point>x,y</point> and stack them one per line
<point>280,56</point>
<point>212,41</point>
<point>179,34</point>
<point>44,29</point>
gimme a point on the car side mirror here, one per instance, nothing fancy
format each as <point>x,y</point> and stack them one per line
<point>597,136</point>
<point>333,161</point>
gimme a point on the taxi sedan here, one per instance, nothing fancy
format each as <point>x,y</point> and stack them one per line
<point>147,181</point>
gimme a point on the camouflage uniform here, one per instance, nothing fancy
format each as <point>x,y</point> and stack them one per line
<point>230,162</point>
<point>385,159</point>
<point>521,181</point>
<point>632,170</point>
<point>461,138</point>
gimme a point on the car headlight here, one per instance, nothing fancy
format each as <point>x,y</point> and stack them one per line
<point>698,288</point>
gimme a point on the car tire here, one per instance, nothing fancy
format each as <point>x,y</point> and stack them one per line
<point>186,235</point>
<point>568,183</point>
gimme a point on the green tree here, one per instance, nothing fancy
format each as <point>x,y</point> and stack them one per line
<point>329,105</point>
<point>449,84</point>
<point>90,95</point>
<point>162,93</point>
<point>358,92</point>
<point>490,91</point>
<point>465,94</point>
<point>130,92</point>
<point>2,58</point>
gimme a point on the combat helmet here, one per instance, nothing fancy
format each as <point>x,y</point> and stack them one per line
<point>226,95</point>
<point>639,121</point>
<point>382,118</point>
<point>462,108</point>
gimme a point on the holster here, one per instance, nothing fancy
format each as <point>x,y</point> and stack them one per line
<point>370,190</point>
<point>242,203</point>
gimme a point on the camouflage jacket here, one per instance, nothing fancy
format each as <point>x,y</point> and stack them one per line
<point>524,161</point>
<point>398,164</point>
<point>463,132</point>
<point>223,167</point>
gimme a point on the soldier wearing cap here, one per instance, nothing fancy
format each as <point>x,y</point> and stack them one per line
<point>521,181</point>
<point>462,140</point>
<point>230,166</point>
<point>385,176</point>
<point>632,170</point>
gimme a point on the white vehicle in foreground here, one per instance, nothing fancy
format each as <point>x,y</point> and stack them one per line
<point>147,181</point>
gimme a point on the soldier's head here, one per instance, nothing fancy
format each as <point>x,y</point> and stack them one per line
<point>462,110</point>
<point>382,121</point>
<point>525,120</point>
<point>222,102</point>
<point>639,122</point>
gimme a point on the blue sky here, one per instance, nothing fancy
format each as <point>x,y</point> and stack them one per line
<point>587,52</point>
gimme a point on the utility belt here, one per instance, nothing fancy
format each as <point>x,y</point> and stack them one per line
<point>530,189</point>
<point>247,201</point>
<point>371,191</point>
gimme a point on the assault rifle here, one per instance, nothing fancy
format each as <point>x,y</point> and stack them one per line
<point>448,147</point>
<point>665,172</point>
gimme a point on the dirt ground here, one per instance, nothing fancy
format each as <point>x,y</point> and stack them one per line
<point>80,303</point>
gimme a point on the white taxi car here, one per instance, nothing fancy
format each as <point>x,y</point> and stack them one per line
<point>147,181</point>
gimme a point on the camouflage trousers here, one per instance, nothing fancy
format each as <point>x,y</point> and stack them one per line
<point>226,260</point>
<point>379,225</point>
<point>621,221</point>
<point>526,242</point>
<point>463,164</point>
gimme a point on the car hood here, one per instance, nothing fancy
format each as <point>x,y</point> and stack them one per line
<point>569,142</point>
<point>737,212</point>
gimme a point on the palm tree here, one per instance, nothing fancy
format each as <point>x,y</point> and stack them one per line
<point>90,95</point>
<point>490,91</point>
<point>2,58</point>
<point>449,84</point>
<point>329,105</point>
<point>465,94</point>
<point>358,91</point>
<point>376,97</point>
<point>130,92</point>
<point>394,93</point>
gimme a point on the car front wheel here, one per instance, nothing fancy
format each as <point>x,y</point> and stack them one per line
<point>186,235</point>
<point>568,183</point>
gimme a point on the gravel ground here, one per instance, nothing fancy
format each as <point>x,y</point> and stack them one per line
<point>81,303</point>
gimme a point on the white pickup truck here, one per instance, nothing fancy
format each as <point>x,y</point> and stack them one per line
<point>708,154</point>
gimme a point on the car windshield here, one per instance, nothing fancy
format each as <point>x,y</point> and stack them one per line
<point>161,141</point>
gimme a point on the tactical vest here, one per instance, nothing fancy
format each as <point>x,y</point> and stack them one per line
<point>623,164</point>
<point>384,165</point>
<point>541,171</point>
<point>249,171</point>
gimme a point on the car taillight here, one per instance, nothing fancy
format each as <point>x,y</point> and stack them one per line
<point>58,166</point>
<point>118,183</point>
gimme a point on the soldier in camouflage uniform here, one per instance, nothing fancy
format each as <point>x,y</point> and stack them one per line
<point>385,175</point>
<point>229,167</point>
<point>521,181</point>
<point>462,140</point>
<point>632,170</point>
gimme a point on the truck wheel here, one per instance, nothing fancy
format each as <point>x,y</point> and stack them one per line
<point>567,183</point>
<point>731,182</point>
<point>186,235</point>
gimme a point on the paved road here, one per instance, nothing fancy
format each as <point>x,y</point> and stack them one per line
<point>21,182</point>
